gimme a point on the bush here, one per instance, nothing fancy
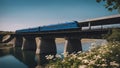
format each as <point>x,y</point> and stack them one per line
<point>114,36</point>
<point>104,56</point>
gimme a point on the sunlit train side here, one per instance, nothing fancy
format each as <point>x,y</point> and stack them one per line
<point>62,26</point>
<point>55,27</point>
<point>36,29</point>
<point>22,31</point>
<point>29,30</point>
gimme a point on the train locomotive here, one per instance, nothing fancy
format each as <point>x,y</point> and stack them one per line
<point>55,27</point>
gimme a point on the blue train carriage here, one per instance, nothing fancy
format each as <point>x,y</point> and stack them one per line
<point>62,26</point>
<point>35,29</point>
<point>22,31</point>
<point>29,30</point>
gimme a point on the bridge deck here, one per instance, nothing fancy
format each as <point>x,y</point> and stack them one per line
<point>62,34</point>
<point>114,19</point>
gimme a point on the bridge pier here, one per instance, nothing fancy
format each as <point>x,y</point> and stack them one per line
<point>18,41</point>
<point>47,46</point>
<point>72,45</point>
<point>1,38</point>
<point>29,43</point>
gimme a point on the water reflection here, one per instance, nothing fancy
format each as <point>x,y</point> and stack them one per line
<point>29,59</point>
<point>41,61</point>
<point>24,59</point>
<point>4,52</point>
<point>16,58</point>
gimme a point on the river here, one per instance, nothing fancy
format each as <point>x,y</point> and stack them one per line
<point>16,58</point>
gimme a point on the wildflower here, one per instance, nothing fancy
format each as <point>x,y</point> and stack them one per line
<point>58,56</point>
<point>93,44</point>
<point>65,54</point>
<point>91,62</point>
<point>117,55</point>
<point>98,56</point>
<point>111,51</point>
<point>49,57</point>
<point>103,59</point>
<point>113,45</point>
<point>97,64</point>
<point>85,61</point>
<point>114,64</point>
<point>63,60</point>
<point>82,66</point>
<point>80,58</point>
<point>79,52</point>
<point>74,56</point>
<point>104,65</point>
<point>103,44</point>
<point>89,50</point>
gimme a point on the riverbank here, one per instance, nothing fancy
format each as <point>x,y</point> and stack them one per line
<point>102,56</point>
<point>58,41</point>
<point>62,40</point>
<point>5,46</point>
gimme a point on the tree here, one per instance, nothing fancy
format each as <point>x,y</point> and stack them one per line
<point>114,36</point>
<point>111,4</point>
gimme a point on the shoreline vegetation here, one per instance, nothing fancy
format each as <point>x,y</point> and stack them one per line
<point>5,46</point>
<point>100,56</point>
<point>105,55</point>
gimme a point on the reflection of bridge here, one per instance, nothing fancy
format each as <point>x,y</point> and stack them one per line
<point>29,58</point>
<point>73,44</point>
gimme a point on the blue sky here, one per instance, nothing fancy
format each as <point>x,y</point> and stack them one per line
<point>18,14</point>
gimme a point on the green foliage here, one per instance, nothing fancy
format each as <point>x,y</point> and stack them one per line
<point>111,4</point>
<point>114,36</point>
<point>104,56</point>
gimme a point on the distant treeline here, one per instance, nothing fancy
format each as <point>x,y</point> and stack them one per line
<point>6,32</point>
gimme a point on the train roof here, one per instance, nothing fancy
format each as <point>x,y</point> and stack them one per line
<point>60,23</point>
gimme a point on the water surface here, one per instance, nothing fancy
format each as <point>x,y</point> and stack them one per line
<point>16,58</point>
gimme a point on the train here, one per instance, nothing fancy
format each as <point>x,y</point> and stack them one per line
<point>54,27</point>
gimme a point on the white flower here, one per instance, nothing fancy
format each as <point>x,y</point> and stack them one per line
<point>93,44</point>
<point>74,56</point>
<point>117,55</point>
<point>58,56</point>
<point>80,58</point>
<point>49,57</point>
<point>111,51</point>
<point>103,44</point>
<point>91,62</point>
<point>85,61</point>
<point>114,64</point>
<point>98,64</point>
<point>63,61</point>
<point>113,45</point>
<point>65,54</point>
<point>103,59</point>
<point>98,56</point>
<point>82,66</point>
<point>79,52</point>
<point>104,65</point>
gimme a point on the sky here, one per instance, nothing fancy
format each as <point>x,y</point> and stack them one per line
<point>19,14</point>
